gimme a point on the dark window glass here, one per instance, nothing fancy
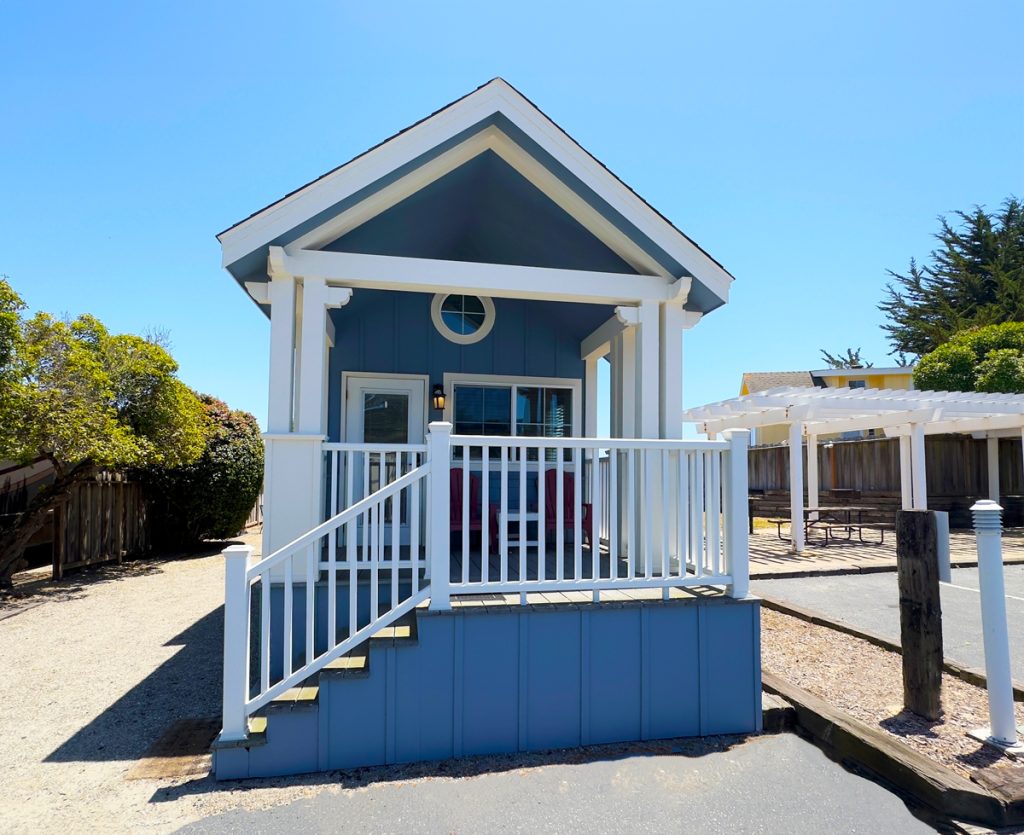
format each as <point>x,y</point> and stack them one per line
<point>386,418</point>
<point>463,315</point>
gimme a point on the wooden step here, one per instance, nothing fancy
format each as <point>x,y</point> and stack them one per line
<point>355,663</point>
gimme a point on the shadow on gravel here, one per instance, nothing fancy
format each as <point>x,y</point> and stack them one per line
<point>460,768</point>
<point>38,583</point>
<point>185,686</point>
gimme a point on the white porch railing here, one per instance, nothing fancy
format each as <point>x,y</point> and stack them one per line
<point>551,514</point>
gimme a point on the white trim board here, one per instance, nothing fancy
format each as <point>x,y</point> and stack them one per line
<point>495,97</point>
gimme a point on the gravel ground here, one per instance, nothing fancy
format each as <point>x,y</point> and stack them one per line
<point>867,682</point>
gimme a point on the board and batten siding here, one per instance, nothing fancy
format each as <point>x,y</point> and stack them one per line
<point>385,332</point>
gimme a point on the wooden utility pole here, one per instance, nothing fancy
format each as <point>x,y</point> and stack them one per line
<point>920,612</point>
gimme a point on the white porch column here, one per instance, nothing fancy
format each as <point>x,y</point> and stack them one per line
<point>590,396</point>
<point>317,297</point>
<point>281,295</point>
<point>627,378</point>
<point>906,473</point>
<point>918,466</point>
<point>812,471</point>
<point>671,371</point>
<point>992,449</point>
<point>796,486</point>
<point>648,372</point>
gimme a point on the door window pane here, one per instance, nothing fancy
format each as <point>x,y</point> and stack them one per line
<point>385,418</point>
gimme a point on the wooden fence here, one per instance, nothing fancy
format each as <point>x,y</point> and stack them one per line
<point>102,521</point>
<point>957,473</point>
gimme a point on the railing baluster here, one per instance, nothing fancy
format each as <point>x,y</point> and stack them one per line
<point>350,475</point>
<point>485,516</point>
<point>265,631</point>
<point>374,561</point>
<point>332,587</point>
<point>286,646</point>
<point>714,513</point>
<point>523,525</point>
<point>559,515</point>
<point>596,515</point>
<point>503,519</point>
<point>312,571</point>
<point>697,522</point>
<point>613,515</point>
<point>334,468</point>
<point>577,512</point>
<point>415,519</point>
<point>630,517</point>
<point>367,463</point>
<point>683,510</point>
<point>542,516</point>
<point>353,579</point>
<point>466,494</point>
<point>666,515</point>
<point>644,508</point>
<point>396,543</point>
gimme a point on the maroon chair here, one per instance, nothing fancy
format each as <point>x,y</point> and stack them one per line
<point>455,478</point>
<point>568,506</point>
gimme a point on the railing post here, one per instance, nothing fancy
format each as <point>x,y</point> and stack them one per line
<point>1002,730</point>
<point>439,453</point>
<point>737,510</point>
<point>236,642</point>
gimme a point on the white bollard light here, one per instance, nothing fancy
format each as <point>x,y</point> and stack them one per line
<point>1002,730</point>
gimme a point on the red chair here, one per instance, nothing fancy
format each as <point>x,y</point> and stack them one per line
<point>455,478</point>
<point>568,506</point>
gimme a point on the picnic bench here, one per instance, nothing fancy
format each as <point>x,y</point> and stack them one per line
<point>837,524</point>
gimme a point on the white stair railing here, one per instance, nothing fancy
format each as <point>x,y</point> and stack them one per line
<point>381,582</point>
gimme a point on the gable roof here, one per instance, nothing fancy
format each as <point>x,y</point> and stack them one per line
<point>499,106</point>
<point>754,381</point>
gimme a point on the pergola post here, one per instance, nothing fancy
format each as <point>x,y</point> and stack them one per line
<point>906,474</point>
<point>812,471</point>
<point>918,466</point>
<point>796,486</point>
<point>992,450</point>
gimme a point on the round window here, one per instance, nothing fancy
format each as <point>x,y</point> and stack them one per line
<point>462,319</point>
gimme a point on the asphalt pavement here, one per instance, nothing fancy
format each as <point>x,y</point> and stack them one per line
<point>770,784</point>
<point>871,601</point>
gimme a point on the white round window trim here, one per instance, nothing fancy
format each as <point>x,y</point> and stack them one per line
<point>462,338</point>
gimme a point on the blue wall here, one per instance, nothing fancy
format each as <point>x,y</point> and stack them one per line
<point>526,678</point>
<point>392,332</point>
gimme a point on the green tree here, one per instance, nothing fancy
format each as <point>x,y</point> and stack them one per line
<point>212,497</point>
<point>989,358</point>
<point>851,359</point>
<point>84,399</point>
<point>975,277</point>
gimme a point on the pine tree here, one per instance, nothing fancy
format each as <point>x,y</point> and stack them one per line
<point>974,277</point>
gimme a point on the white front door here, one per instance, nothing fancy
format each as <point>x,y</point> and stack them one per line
<point>384,411</point>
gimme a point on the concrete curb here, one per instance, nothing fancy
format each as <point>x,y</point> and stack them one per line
<point>972,675</point>
<point>848,740</point>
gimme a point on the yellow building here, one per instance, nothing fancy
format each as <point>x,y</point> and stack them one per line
<point>872,378</point>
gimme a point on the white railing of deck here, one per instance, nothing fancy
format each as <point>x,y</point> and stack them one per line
<point>663,513</point>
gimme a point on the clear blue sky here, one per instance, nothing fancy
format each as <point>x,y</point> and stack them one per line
<point>808,146</point>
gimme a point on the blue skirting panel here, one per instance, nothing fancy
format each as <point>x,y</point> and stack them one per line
<point>487,680</point>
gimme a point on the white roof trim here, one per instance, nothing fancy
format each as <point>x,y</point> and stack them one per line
<point>496,96</point>
<point>861,372</point>
<point>826,410</point>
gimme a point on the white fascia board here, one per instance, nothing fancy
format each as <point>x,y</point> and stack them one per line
<point>862,372</point>
<point>750,420</point>
<point>497,96</point>
<point>428,275</point>
<point>857,424</point>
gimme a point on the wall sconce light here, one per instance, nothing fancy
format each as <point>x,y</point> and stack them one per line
<point>437,396</point>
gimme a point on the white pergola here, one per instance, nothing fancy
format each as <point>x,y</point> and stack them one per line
<point>906,414</point>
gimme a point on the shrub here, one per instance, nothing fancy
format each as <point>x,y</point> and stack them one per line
<point>212,498</point>
<point>981,359</point>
